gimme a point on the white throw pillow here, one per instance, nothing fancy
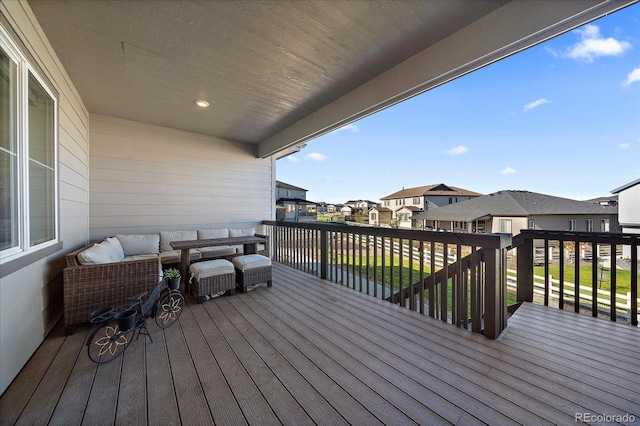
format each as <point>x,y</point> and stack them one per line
<point>208,234</point>
<point>242,232</point>
<point>167,236</point>
<point>116,248</point>
<point>139,244</point>
<point>97,254</point>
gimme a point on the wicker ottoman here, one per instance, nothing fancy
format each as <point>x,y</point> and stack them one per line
<point>212,278</point>
<point>252,269</point>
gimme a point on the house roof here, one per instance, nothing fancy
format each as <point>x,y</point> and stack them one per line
<point>294,200</point>
<point>513,204</point>
<point>382,209</point>
<point>438,189</point>
<point>627,186</point>
<point>276,73</point>
<point>280,184</point>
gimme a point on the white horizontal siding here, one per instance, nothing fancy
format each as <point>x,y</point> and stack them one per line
<point>147,178</point>
<point>31,298</point>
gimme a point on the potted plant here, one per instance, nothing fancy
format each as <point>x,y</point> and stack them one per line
<point>174,278</point>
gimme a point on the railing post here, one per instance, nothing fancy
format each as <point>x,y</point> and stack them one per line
<point>324,254</point>
<point>525,271</point>
<point>495,307</point>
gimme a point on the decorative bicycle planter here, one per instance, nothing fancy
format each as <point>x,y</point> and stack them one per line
<point>114,330</point>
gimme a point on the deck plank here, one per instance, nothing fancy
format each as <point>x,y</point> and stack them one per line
<point>43,401</point>
<point>306,397</point>
<point>313,352</point>
<point>17,396</point>
<point>220,400</point>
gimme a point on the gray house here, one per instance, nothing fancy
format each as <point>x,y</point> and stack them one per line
<point>511,211</point>
<point>292,204</point>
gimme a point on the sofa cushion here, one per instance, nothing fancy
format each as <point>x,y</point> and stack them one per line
<point>208,234</point>
<point>95,255</point>
<point>116,248</point>
<point>139,244</point>
<point>173,256</point>
<point>242,232</point>
<point>167,236</point>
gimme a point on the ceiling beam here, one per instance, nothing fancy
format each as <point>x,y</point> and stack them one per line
<point>515,26</point>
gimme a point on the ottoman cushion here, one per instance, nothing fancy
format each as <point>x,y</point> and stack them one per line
<point>211,268</point>
<point>251,261</point>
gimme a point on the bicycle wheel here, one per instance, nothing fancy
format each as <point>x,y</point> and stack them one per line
<point>107,342</point>
<point>169,309</point>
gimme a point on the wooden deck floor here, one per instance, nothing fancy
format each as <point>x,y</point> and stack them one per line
<point>311,352</point>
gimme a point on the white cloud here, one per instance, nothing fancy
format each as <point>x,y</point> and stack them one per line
<point>508,171</point>
<point>291,159</point>
<point>624,145</point>
<point>349,127</point>
<point>633,76</point>
<point>457,150</point>
<point>535,104</point>
<point>592,45</point>
<point>314,156</point>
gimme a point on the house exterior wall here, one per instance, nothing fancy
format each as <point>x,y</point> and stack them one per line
<point>561,222</point>
<point>147,178</point>
<point>289,193</point>
<point>629,207</point>
<point>31,297</point>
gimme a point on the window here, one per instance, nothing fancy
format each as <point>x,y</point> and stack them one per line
<point>532,224</point>
<point>589,225</point>
<point>416,200</point>
<point>453,200</point>
<point>572,224</point>
<point>385,203</point>
<point>505,226</point>
<point>28,157</point>
<point>604,225</point>
<point>374,216</point>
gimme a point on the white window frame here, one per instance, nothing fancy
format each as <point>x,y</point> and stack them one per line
<point>23,69</point>
<point>572,225</point>
<point>589,225</point>
<point>531,224</point>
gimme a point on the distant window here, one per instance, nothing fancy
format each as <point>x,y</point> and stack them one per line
<point>505,226</point>
<point>589,225</point>
<point>453,200</point>
<point>374,216</point>
<point>288,193</point>
<point>572,224</point>
<point>532,224</point>
<point>385,203</point>
<point>416,200</point>
<point>604,225</point>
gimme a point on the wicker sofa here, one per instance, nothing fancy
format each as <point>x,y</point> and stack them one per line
<point>94,280</point>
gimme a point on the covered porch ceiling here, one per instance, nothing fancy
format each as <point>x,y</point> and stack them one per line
<point>279,73</point>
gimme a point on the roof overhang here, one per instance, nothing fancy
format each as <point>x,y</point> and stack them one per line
<point>278,74</point>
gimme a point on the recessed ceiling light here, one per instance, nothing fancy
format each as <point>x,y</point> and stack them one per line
<point>202,103</point>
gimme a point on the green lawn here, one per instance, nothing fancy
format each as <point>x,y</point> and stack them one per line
<point>623,277</point>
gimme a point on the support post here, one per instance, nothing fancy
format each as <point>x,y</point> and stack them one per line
<point>525,271</point>
<point>495,308</point>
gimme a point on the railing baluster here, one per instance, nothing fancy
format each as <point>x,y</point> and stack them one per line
<point>444,284</point>
<point>634,285</point>
<point>432,280</point>
<point>576,301</point>
<point>412,295</point>
<point>421,298</point>
<point>594,279</point>
<point>613,283</point>
<point>561,275</point>
<point>546,272</point>
<point>384,266</point>
<point>375,266</point>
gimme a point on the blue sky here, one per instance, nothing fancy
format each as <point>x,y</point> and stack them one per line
<point>561,118</point>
